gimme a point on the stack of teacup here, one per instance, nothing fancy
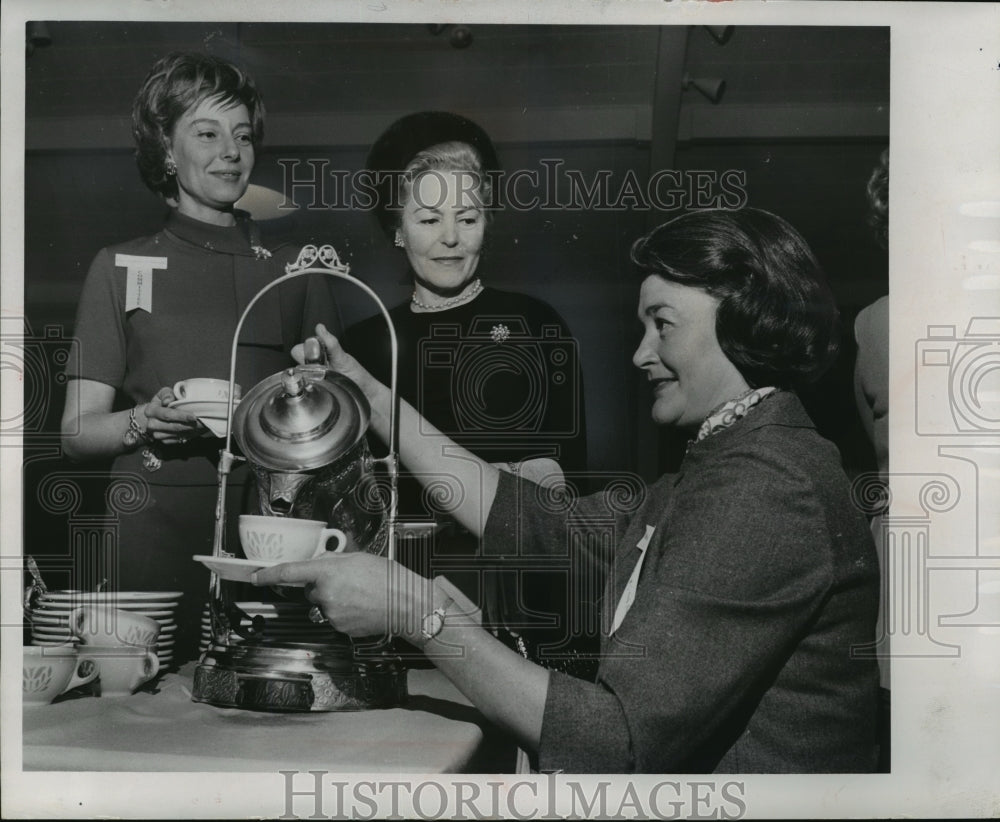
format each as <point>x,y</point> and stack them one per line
<point>49,616</point>
<point>122,644</point>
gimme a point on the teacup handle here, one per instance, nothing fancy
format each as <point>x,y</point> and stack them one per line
<point>85,671</point>
<point>149,670</point>
<point>180,389</point>
<point>76,620</point>
<point>326,534</point>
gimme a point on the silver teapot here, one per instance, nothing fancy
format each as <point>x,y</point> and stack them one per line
<point>303,433</point>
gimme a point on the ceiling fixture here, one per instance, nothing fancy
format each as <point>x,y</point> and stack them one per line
<point>460,37</point>
<point>720,34</point>
<point>711,87</point>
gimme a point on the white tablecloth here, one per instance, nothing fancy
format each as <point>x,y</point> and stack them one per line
<point>161,729</point>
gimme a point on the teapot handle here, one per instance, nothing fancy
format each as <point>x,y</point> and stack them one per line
<point>313,351</point>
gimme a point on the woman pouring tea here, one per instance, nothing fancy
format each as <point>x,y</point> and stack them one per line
<point>161,309</point>
<point>736,587</point>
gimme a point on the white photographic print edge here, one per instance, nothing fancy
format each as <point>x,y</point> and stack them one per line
<point>944,122</point>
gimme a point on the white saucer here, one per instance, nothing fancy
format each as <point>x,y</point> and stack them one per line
<point>210,413</point>
<point>204,408</point>
<point>215,426</point>
<point>235,569</point>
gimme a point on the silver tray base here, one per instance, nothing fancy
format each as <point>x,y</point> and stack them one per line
<point>358,686</point>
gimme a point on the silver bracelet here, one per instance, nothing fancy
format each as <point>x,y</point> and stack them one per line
<point>134,434</point>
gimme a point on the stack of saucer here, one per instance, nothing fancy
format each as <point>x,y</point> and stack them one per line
<point>49,617</point>
<point>283,621</point>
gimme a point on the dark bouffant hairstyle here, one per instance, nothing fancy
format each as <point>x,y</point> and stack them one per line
<point>175,84</point>
<point>777,321</point>
<point>878,200</point>
<point>431,136</point>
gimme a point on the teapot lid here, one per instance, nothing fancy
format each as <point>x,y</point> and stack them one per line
<point>301,418</point>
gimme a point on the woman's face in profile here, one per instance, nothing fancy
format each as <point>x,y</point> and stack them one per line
<point>442,228</point>
<point>680,354</point>
<point>212,146</point>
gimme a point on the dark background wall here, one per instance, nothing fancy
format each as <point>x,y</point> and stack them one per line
<point>804,117</point>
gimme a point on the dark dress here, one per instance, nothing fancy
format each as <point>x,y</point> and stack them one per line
<point>167,516</point>
<point>499,375</point>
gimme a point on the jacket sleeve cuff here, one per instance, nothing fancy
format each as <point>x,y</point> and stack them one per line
<point>584,729</point>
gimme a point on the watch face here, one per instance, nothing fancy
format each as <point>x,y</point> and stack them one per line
<point>432,624</point>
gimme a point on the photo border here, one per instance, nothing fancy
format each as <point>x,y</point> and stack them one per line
<point>945,118</point>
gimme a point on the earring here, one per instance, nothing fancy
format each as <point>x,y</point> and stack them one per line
<point>171,168</point>
<point>399,241</point>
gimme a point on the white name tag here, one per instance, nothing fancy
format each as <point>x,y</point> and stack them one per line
<point>628,595</point>
<point>139,279</point>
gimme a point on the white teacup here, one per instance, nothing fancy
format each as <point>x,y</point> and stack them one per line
<point>51,671</point>
<point>122,668</point>
<point>204,389</point>
<point>103,625</point>
<point>284,539</point>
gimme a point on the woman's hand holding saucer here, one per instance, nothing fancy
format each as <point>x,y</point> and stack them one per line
<point>360,594</point>
<point>166,425</point>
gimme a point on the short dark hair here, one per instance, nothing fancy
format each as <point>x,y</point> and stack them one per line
<point>777,321</point>
<point>174,84</point>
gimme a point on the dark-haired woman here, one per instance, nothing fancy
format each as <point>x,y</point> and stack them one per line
<point>163,308</point>
<point>735,588</point>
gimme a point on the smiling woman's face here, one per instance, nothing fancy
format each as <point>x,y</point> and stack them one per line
<point>442,230</point>
<point>212,147</point>
<point>680,354</point>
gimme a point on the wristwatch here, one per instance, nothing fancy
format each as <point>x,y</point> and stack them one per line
<point>432,623</point>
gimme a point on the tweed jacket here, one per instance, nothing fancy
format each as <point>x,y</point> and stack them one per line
<point>735,655</point>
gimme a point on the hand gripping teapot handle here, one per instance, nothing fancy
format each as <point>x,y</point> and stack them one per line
<point>313,351</point>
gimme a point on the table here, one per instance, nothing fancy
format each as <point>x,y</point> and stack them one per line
<point>159,728</point>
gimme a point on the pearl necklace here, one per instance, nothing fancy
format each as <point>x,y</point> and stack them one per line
<point>473,291</point>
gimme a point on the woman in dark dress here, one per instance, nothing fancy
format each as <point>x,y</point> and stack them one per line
<point>496,370</point>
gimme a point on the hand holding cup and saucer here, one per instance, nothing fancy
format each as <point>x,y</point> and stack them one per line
<point>208,400</point>
<point>271,541</point>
